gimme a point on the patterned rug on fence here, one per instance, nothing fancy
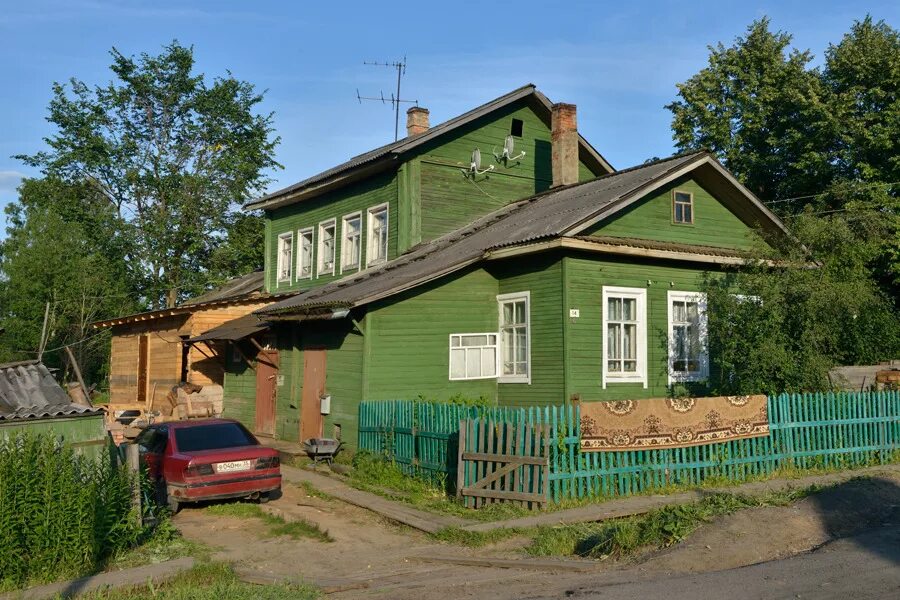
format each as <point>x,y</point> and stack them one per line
<point>671,422</point>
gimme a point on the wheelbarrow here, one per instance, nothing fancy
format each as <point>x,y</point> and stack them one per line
<point>322,449</point>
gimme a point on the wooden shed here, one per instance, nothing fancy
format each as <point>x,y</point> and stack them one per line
<point>149,355</point>
<point>32,402</point>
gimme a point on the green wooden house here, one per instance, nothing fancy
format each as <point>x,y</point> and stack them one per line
<point>496,255</point>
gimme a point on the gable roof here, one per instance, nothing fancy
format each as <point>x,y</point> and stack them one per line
<point>244,288</point>
<point>389,152</point>
<point>29,391</point>
<point>565,211</point>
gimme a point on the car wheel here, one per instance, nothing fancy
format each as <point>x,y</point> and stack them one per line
<point>173,504</point>
<point>264,497</point>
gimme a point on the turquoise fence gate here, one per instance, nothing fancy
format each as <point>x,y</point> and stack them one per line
<point>807,431</point>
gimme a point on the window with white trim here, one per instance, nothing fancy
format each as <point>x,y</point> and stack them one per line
<point>688,359</point>
<point>377,247</point>
<point>515,343</point>
<point>305,253</point>
<point>285,257</point>
<point>326,248</point>
<point>624,335</point>
<point>473,356</point>
<point>351,241</point>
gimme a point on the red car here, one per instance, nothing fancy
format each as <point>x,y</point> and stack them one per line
<point>209,459</point>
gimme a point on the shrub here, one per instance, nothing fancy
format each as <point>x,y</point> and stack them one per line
<point>62,514</point>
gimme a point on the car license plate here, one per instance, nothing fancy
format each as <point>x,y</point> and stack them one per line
<point>234,465</point>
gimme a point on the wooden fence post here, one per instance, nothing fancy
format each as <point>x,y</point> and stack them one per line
<point>133,459</point>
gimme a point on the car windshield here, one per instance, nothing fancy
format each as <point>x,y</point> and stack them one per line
<point>214,436</point>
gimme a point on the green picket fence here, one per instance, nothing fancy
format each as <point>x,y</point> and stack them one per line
<point>807,431</point>
<point>421,437</point>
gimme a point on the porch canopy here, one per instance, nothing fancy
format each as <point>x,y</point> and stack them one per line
<point>232,331</point>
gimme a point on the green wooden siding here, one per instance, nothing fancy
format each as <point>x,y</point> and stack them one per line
<point>409,338</point>
<point>239,390</point>
<point>651,218</point>
<point>357,197</point>
<point>585,278</point>
<point>450,201</point>
<point>541,276</point>
<point>86,434</point>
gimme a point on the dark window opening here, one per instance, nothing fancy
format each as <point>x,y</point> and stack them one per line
<point>185,358</point>
<point>516,128</point>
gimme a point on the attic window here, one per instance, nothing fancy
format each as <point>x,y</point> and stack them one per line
<point>515,129</point>
<point>682,207</point>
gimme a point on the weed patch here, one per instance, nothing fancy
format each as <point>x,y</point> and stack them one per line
<point>275,524</point>
<point>164,543</point>
<point>63,515</point>
<point>209,581</point>
<point>659,528</point>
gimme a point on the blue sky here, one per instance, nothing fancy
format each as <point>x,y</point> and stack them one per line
<point>619,62</point>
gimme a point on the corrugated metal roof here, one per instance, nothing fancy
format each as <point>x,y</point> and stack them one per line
<point>246,287</point>
<point>233,288</point>
<point>233,330</point>
<point>29,391</point>
<point>408,143</point>
<point>547,215</point>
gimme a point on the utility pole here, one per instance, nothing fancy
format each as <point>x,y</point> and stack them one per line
<point>395,101</point>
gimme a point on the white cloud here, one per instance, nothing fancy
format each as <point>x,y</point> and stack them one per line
<point>10,180</point>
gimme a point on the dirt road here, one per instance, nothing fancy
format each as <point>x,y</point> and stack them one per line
<point>791,550</point>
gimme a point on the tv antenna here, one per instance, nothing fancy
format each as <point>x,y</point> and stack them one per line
<point>394,101</point>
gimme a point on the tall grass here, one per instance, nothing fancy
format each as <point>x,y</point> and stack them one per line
<point>61,514</point>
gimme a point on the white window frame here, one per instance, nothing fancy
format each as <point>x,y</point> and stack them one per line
<point>703,373</point>
<point>279,262</point>
<point>320,254</point>
<point>345,246</point>
<point>495,346</point>
<point>312,255</point>
<point>501,300</point>
<point>640,374</point>
<point>370,239</point>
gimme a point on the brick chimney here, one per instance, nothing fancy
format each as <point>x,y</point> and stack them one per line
<point>416,120</point>
<point>564,144</point>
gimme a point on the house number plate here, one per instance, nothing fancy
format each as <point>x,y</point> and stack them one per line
<point>235,465</point>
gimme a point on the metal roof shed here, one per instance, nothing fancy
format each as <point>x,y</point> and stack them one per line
<point>32,402</point>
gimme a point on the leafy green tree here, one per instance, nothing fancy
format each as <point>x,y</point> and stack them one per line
<point>774,329</point>
<point>760,109</point>
<point>241,250</point>
<point>862,74</point>
<point>170,153</point>
<point>49,259</point>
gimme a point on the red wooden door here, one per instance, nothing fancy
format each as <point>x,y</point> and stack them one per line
<point>313,388</point>
<point>266,386</point>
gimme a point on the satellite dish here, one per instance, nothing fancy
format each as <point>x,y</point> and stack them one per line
<point>509,146</point>
<point>475,165</point>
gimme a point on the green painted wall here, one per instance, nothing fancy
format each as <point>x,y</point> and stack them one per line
<point>86,434</point>
<point>409,338</point>
<point>378,189</point>
<point>540,275</point>
<point>651,218</point>
<point>343,372</point>
<point>239,390</point>
<point>428,195</point>
<point>450,201</point>
<point>585,277</point>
